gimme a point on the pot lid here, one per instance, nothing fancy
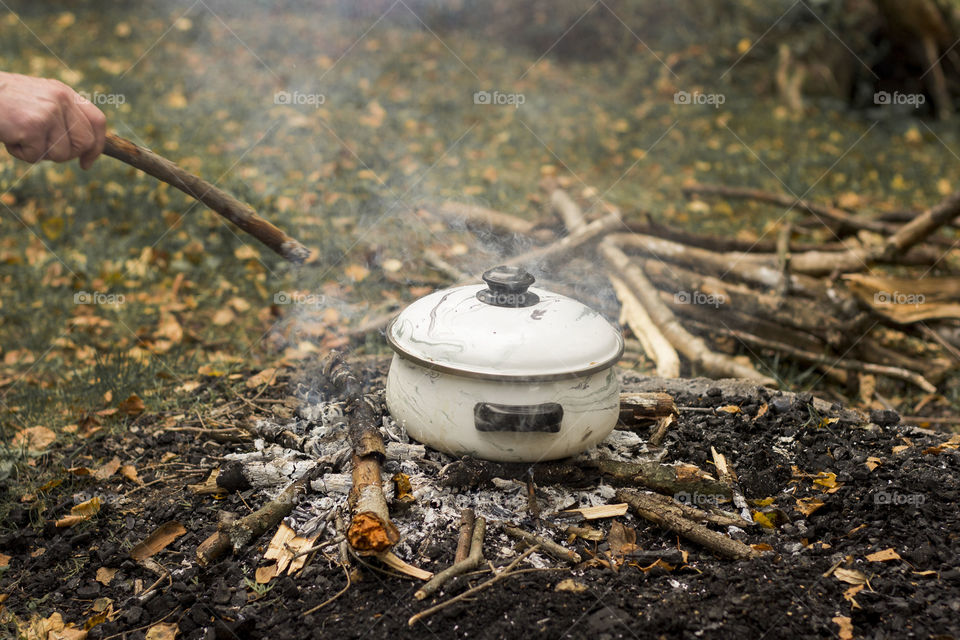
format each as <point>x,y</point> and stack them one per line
<point>505,330</point>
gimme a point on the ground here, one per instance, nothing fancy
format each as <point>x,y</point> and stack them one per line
<point>127,309</point>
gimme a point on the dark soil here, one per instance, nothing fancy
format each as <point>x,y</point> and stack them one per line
<point>907,503</point>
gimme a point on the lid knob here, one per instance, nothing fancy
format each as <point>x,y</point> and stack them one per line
<point>507,287</point>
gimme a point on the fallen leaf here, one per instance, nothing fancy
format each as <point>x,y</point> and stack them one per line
<point>223,317</point>
<point>730,408</point>
<point>356,272</point>
<point>162,631</point>
<point>267,376</point>
<point>4,560</point>
<point>403,492</point>
<point>850,576</point>
<point>826,479</point>
<point>849,594</point>
<point>883,556</point>
<point>846,627</point>
<point>762,546</point>
<point>246,252</point>
<point>129,472</point>
<point>622,540</point>
<point>158,540</point>
<point>806,506</point>
<point>105,575</point>
<point>81,512</point>
<point>873,462</point>
<point>763,519</point>
<point>34,438</point>
<point>107,469</point>
<point>132,406</point>
<point>263,575</point>
<point>571,585</point>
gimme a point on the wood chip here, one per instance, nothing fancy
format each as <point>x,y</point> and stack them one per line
<point>883,556</point>
<point>157,541</point>
<point>601,511</point>
<point>391,560</point>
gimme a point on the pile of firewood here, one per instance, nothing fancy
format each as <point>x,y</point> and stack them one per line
<point>707,298</point>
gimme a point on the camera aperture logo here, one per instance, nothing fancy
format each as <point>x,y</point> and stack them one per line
<point>700,298</point>
<point>96,297</point>
<point>496,98</point>
<point>898,297</point>
<point>885,98</point>
<point>300,298</point>
<point>685,97</point>
<point>101,99</point>
<point>297,98</point>
<point>899,499</point>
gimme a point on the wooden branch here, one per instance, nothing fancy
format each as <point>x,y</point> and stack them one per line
<point>664,478</point>
<point>371,531</point>
<point>697,533</point>
<point>568,210</point>
<point>197,188</point>
<point>920,228</point>
<point>831,217</point>
<point>655,345</point>
<point>554,549</point>
<point>824,359</point>
<point>660,432</point>
<point>692,347</point>
<point>474,216</point>
<point>235,535</point>
<point>467,524</point>
<point>459,567</point>
<point>505,573</point>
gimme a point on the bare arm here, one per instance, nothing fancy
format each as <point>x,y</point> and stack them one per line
<point>43,119</point>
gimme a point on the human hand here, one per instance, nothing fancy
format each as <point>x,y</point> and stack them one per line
<point>43,119</point>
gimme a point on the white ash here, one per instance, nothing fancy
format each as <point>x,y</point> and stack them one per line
<point>434,515</point>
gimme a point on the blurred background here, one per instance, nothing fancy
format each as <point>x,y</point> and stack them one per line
<point>338,121</point>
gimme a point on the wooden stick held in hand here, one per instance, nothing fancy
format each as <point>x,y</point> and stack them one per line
<point>223,203</point>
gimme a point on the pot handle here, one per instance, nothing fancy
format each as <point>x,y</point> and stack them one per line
<point>519,418</point>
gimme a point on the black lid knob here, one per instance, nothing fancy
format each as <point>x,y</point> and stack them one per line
<point>507,287</point>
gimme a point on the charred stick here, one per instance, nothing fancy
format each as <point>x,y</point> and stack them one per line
<point>554,549</point>
<point>459,567</point>
<point>233,536</point>
<point>697,533</point>
<point>197,188</point>
<point>467,524</point>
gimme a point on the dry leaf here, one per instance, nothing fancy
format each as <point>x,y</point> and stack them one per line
<point>571,585</point>
<point>158,540</point>
<point>806,506</point>
<point>762,546</point>
<point>162,631</point>
<point>846,627</point>
<point>826,479</point>
<point>849,594</point>
<point>850,576</point>
<point>356,272</point>
<point>883,556</point>
<point>223,317</point>
<point>730,408</point>
<point>34,438</point>
<point>622,540</point>
<point>403,492</point>
<point>263,575</point>
<point>129,472</point>
<point>267,376</point>
<point>4,560</point>
<point>873,462</point>
<point>105,575</point>
<point>208,486</point>
<point>132,406</point>
<point>763,519</point>
<point>107,469</point>
<point>246,252</point>
<point>80,512</point>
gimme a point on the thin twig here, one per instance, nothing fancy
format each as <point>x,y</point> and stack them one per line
<point>469,592</point>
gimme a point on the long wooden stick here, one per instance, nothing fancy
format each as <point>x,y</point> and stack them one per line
<point>654,512</point>
<point>197,188</point>
<point>656,346</point>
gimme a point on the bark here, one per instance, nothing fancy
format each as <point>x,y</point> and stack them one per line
<point>199,189</point>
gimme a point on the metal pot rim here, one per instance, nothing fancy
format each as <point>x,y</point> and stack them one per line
<point>480,375</point>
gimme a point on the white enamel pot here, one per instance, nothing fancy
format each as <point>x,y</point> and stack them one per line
<point>504,372</point>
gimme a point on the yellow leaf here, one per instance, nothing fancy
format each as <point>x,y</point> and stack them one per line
<point>129,472</point>
<point>730,408</point>
<point>246,252</point>
<point>883,556</point>
<point>846,627</point>
<point>81,512</point>
<point>356,272</point>
<point>850,593</point>
<point>34,438</point>
<point>826,479</point>
<point>766,502</point>
<point>107,469</point>
<point>157,541</point>
<point>223,317</point>
<point>873,462</point>
<point>762,519</point>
